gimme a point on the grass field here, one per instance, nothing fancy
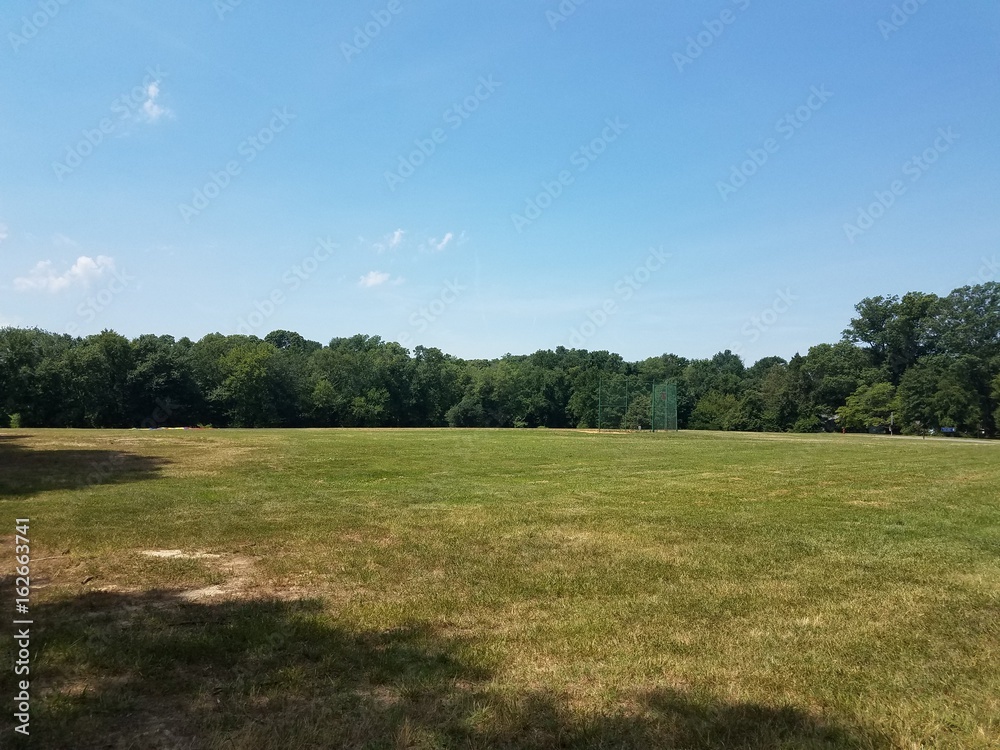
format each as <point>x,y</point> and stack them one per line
<point>509,589</point>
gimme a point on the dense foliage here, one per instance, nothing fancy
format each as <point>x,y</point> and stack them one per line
<point>921,362</point>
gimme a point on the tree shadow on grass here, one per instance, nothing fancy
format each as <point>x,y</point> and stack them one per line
<point>25,470</point>
<point>154,671</point>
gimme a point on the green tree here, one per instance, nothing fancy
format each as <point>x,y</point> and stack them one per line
<point>34,376</point>
<point>771,380</point>
<point>468,412</point>
<point>967,322</point>
<point>510,392</point>
<point>96,378</point>
<point>582,405</point>
<point>323,404</point>
<point>716,411</point>
<point>869,406</point>
<point>294,361</point>
<point>723,373</point>
<point>944,391</point>
<point>896,331</point>
<point>995,388</point>
<point>750,413</point>
<point>371,381</point>
<point>433,388</point>
<point>369,409</point>
<point>207,360</point>
<point>639,415</point>
<point>944,355</point>
<point>871,326</point>
<point>161,387</point>
<point>252,385</point>
<point>833,372</point>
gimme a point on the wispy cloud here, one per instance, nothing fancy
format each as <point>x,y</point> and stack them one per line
<point>373,278</point>
<point>4,232</point>
<point>62,241</point>
<point>437,245</point>
<point>151,111</point>
<point>390,242</point>
<point>44,277</point>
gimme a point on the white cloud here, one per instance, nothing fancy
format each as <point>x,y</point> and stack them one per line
<point>373,278</point>
<point>389,242</point>
<point>435,245</point>
<point>150,110</point>
<point>439,246</point>
<point>44,277</point>
<point>4,232</point>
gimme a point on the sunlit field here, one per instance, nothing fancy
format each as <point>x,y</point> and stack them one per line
<point>505,589</point>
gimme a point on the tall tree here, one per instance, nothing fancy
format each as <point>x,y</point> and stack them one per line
<point>97,372</point>
<point>896,331</point>
<point>161,387</point>
<point>944,354</point>
<point>253,389</point>
<point>967,322</point>
<point>995,387</point>
<point>943,391</point>
<point>869,406</point>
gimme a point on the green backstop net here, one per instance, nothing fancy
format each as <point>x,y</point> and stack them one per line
<point>632,404</point>
<point>664,406</point>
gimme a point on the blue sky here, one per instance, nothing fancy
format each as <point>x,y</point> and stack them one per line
<point>495,177</point>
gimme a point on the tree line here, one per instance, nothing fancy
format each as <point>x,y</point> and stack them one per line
<point>919,362</point>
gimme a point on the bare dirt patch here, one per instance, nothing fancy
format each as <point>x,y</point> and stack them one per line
<point>167,553</point>
<point>236,568</point>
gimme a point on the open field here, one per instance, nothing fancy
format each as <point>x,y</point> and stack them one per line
<point>519,589</point>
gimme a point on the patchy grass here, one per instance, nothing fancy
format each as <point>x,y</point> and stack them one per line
<point>518,589</point>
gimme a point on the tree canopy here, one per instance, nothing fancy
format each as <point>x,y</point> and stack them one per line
<point>919,361</point>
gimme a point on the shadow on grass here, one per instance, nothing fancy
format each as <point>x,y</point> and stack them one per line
<point>25,470</point>
<point>154,672</point>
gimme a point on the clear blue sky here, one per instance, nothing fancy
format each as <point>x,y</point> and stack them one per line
<point>313,118</point>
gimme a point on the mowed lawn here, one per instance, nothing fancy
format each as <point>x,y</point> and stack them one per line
<point>505,589</point>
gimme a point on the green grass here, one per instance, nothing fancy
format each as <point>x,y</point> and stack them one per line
<point>513,589</point>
